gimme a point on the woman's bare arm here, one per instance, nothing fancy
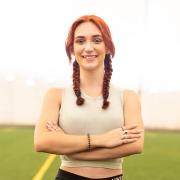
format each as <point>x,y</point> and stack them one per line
<point>52,142</point>
<point>58,142</point>
<point>132,115</point>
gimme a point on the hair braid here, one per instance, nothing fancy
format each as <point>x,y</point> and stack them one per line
<point>106,81</point>
<point>76,83</point>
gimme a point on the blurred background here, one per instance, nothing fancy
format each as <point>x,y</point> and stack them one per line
<point>146,34</point>
<point>32,54</point>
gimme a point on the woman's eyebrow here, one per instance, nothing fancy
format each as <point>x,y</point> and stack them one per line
<point>79,37</point>
<point>94,36</point>
<point>97,35</point>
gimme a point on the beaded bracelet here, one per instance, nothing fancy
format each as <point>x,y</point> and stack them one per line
<point>89,142</point>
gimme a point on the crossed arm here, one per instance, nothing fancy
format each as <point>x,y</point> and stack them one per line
<point>132,115</point>
<point>51,139</point>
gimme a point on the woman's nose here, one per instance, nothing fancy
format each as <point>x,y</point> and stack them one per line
<point>88,46</point>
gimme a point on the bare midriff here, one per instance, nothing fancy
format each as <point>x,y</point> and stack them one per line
<point>93,172</point>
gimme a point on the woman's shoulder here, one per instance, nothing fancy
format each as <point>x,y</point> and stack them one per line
<point>54,91</point>
<point>126,94</point>
<point>54,94</point>
<point>130,95</point>
<point>130,92</point>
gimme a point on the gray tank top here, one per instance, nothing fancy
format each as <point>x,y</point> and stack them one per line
<point>91,118</point>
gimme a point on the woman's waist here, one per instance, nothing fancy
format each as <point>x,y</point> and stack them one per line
<point>115,163</point>
<point>93,172</point>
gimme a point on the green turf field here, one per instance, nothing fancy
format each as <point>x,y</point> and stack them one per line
<point>160,160</point>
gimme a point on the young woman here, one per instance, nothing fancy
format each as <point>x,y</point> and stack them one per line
<point>91,123</point>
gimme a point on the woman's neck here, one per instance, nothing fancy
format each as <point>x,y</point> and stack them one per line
<point>91,79</point>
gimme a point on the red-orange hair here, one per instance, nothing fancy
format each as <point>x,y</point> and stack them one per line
<point>106,34</point>
<point>100,23</point>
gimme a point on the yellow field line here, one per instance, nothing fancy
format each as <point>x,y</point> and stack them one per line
<point>44,167</point>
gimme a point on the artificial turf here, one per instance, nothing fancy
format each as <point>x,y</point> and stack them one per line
<point>159,161</point>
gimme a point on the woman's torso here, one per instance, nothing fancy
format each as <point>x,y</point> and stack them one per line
<point>89,127</point>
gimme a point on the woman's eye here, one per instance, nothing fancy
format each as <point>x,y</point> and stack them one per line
<point>97,40</point>
<point>79,41</point>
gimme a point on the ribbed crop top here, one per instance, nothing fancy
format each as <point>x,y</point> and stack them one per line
<point>91,118</point>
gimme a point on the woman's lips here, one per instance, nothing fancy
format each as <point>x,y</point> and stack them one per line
<point>90,57</point>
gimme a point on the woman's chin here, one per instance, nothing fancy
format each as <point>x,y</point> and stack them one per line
<point>89,67</point>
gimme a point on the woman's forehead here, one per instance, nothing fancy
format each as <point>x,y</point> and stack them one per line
<point>87,29</point>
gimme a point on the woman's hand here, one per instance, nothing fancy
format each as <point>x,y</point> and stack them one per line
<point>53,127</point>
<point>110,139</point>
<point>119,136</point>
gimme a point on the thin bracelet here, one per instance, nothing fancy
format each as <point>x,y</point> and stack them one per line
<point>89,142</point>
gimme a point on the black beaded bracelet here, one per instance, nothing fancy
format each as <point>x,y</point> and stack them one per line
<point>89,142</point>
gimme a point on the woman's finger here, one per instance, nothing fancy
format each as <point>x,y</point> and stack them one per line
<point>126,141</point>
<point>137,131</point>
<point>51,123</point>
<point>129,127</point>
<point>50,128</point>
<point>53,126</point>
<point>131,136</point>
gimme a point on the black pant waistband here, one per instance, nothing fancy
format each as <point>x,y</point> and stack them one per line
<point>65,175</point>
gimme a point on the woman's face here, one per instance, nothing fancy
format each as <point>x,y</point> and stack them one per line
<point>88,46</point>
